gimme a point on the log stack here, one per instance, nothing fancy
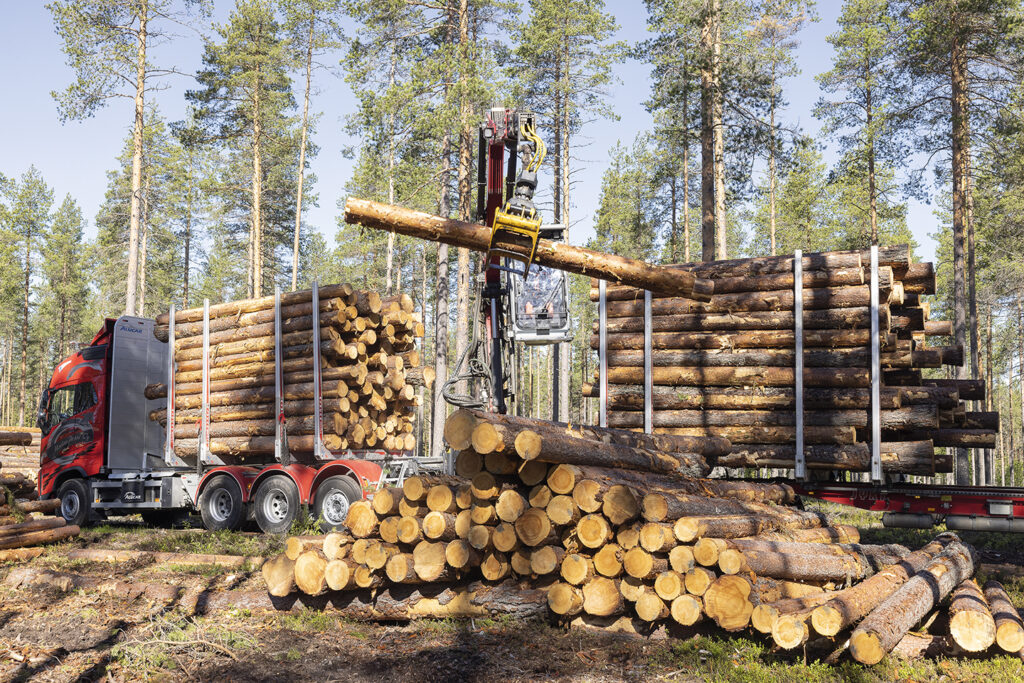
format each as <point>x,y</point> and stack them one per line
<point>21,533</point>
<point>619,529</point>
<point>370,370</point>
<point>726,367</point>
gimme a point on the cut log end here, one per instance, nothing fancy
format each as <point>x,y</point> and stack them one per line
<point>866,648</point>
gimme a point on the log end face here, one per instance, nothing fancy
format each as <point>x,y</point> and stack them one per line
<point>866,647</point>
<point>789,632</point>
<point>1010,637</point>
<point>826,620</point>
<point>973,631</point>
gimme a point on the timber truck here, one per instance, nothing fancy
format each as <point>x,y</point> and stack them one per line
<point>101,454</point>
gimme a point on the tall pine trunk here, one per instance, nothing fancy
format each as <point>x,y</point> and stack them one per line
<point>771,166</point>
<point>721,243</point>
<point>561,351</point>
<point>707,132</point>
<point>391,171</point>
<point>439,411</point>
<point>134,216</point>
<point>686,168</point>
<point>144,250</point>
<point>462,292</point>
<point>188,232</point>
<point>24,324</point>
<point>257,189</point>
<point>302,153</point>
<point>958,81</point>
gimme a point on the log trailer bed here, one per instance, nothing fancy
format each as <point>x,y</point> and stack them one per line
<point>101,453</point>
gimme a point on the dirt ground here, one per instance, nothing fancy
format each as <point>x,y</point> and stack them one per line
<point>110,631</point>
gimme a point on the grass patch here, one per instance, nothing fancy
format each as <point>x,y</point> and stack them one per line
<point>310,620</point>
<point>213,543</point>
<point>745,660</point>
<point>198,569</point>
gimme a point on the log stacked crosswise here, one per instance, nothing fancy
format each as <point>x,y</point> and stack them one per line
<point>725,367</point>
<point>369,371</point>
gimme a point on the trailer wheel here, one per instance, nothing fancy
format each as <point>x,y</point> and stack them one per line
<point>220,505</point>
<point>333,499</point>
<point>276,504</point>
<point>74,502</point>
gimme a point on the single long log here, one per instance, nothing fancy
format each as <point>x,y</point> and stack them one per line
<point>775,300</point>
<point>256,411</point>
<point>10,438</point>
<point>548,253</point>
<point>744,376</point>
<point>31,525</point>
<point>965,438</point>
<point>750,339</point>
<point>265,315</point>
<point>853,357</point>
<point>968,389</point>
<point>821,319</point>
<point>883,628</point>
<point>356,373</point>
<point>832,277</point>
<point>769,435</point>
<point>20,554</point>
<point>907,457</point>
<point>911,417</point>
<point>236,446</point>
<point>460,425</point>
<point>1009,627</point>
<point>688,529</point>
<point>665,397</point>
<point>38,537</point>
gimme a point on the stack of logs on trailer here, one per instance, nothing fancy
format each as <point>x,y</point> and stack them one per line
<point>370,368</point>
<point>16,445</point>
<point>726,367</point>
<point>609,528</point>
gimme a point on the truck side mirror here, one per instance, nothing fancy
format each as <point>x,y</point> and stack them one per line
<point>41,413</point>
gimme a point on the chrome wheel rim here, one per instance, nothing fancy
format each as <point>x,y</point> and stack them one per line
<point>335,507</point>
<point>221,505</point>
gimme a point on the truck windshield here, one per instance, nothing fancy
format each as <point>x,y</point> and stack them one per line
<point>67,402</point>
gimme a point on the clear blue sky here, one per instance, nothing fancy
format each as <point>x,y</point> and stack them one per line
<point>74,157</point>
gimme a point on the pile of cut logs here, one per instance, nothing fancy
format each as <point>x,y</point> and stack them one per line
<point>370,368</point>
<point>19,531</point>
<point>612,528</point>
<point>726,367</point>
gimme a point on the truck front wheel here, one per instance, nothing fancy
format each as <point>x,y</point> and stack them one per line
<point>333,499</point>
<point>276,504</point>
<point>74,502</point>
<point>220,505</point>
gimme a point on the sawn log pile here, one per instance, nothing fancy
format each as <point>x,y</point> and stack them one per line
<point>21,533</point>
<point>726,367</point>
<point>370,370</point>
<point>614,528</point>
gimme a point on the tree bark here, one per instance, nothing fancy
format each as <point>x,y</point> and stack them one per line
<point>711,10</point>
<point>142,13</point>
<point>881,630</point>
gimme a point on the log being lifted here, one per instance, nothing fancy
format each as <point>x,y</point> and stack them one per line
<point>881,630</point>
<point>551,254</point>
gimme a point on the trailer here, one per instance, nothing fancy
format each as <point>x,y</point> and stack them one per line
<point>101,454</point>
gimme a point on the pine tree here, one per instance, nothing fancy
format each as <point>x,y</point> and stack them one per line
<point>30,202</point>
<point>63,269</point>
<point>869,105</point>
<point>775,28</point>
<point>628,214</point>
<point>106,43</point>
<point>242,104</point>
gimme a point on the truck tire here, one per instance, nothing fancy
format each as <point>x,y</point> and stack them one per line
<point>276,504</point>
<point>220,504</point>
<point>332,500</point>
<point>74,502</point>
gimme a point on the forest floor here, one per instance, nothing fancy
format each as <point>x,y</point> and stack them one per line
<point>58,633</point>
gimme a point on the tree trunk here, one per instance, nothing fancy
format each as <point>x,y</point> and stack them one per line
<point>256,241</point>
<point>721,244</point>
<point>144,251</point>
<point>302,152</point>
<point>463,267</point>
<point>142,13</point>
<point>707,131</point>
<point>1009,627</point>
<point>960,140</point>
<point>22,397</point>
